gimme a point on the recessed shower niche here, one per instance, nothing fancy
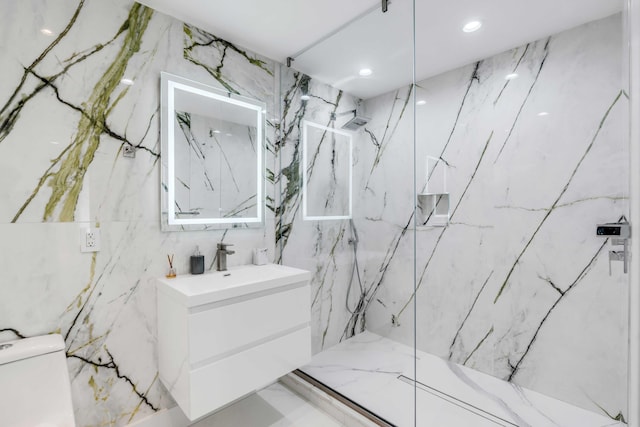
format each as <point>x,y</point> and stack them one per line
<point>433,206</point>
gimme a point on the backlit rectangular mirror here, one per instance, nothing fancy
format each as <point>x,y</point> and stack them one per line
<point>326,172</point>
<point>212,157</point>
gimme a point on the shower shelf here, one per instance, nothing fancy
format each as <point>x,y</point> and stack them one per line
<point>433,209</point>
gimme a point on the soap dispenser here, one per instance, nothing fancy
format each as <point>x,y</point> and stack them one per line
<point>197,262</point>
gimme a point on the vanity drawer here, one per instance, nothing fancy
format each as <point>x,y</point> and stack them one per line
<point>221,328</point>
<point>222,335</point>
<point>216,384</point>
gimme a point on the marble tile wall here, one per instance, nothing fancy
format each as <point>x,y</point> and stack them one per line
<point>64,120</point>
<point>517,285</point>
<point>318,246</point>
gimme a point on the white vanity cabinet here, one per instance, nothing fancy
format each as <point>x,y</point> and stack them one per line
<point>222,335</point>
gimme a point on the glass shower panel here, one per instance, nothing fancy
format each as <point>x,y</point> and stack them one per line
<point>346,205</point>
<point>328,196</point>
<point>530,128</point>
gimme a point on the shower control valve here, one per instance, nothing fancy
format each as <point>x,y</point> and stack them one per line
<point>619,233</point>
<point>614,230</point>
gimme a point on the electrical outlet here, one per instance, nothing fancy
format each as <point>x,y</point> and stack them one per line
<point>128,151</point>
<point>90,240</point>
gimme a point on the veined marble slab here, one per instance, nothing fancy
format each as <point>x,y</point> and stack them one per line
<point>377,373</point>
<point>517,284</point>
<point>65,118</point>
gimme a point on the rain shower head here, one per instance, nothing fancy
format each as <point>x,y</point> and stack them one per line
<point>356,123</point>
<point>353,124</point>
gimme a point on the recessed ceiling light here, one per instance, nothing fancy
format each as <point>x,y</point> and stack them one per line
<point>55,142</point>
<point>365,72</point>
<point>511,76</point>
<point>472,26</point>
<point>229,134</point>
<point>46,31</point>
<point>543,113</point>
<point>305,97</point>
<point>127,82</point>
<point>216,131</point>
<point>421,102</point>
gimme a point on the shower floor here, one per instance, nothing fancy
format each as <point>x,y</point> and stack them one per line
<point>377,373</point>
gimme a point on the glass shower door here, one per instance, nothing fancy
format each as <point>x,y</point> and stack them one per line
<point>522,150</point>
<point>452,229</point>
<point>346,209</point>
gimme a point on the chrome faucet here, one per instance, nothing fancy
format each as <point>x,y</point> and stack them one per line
<point>221,255</point>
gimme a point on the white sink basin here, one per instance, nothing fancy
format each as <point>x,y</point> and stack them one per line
<point>194,290</point>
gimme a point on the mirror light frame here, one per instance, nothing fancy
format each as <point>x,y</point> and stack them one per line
<point>305,215</point>
<point>169,84</point>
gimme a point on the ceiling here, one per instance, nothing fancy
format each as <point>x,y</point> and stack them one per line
<point>331,40</point>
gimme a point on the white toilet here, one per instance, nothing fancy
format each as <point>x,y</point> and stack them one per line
<point>34,383</point>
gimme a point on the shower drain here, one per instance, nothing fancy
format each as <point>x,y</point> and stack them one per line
<point>457,402</point>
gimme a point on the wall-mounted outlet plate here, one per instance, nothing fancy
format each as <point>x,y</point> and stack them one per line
<point>90,240</point>
<point>128,151</point>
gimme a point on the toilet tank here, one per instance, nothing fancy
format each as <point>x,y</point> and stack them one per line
<point>34,383</point>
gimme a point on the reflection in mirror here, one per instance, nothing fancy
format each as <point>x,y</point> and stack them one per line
<point>212,157</point>
<point>326,194</point>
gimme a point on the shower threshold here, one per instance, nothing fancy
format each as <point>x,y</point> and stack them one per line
<point>379,375</point>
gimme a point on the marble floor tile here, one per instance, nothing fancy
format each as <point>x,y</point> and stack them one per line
<point>378,374</point>
<point>273,406</point>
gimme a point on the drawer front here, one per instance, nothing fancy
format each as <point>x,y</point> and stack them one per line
<point>221,382</point>
<point>232,325</point>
